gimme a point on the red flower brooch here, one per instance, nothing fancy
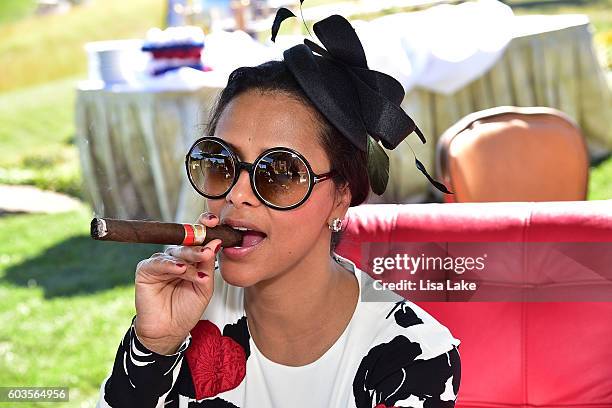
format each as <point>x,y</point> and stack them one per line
<point>217,363</point>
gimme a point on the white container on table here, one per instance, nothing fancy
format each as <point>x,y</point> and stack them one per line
<point>115,61</point>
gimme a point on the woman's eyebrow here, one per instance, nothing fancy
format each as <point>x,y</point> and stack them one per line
<point>235,148</point>
<point>238,151</point>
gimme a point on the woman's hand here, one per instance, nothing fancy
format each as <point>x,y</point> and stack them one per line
<point>173,289</point>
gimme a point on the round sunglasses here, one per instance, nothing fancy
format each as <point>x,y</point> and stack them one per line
<point>280,177</point>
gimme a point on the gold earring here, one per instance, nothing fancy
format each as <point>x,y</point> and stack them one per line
<point>336,225</point>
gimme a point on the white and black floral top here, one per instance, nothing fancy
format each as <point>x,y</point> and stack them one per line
<point>391,354</point>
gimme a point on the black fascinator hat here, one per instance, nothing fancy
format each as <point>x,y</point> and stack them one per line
<point>363,104</point>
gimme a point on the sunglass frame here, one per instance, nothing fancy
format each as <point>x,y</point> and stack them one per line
<point>313,178</point>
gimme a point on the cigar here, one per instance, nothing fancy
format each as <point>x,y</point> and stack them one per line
<point>167,233</point>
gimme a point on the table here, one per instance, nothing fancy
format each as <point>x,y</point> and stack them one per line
<point>132,143</point>
<point>132,148</point>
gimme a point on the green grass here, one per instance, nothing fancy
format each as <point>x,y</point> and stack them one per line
<point>13,10</point>
<point>41,58</point>
<point>36,121</point>
<point>65,303</point>
<point>37,137</point>
<point>600,181</point>
<point>40,49</point>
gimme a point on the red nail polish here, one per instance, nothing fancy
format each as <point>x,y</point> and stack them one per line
<point>201,275</point>
<point>180,265</point>
<point>210,216</point>
<point>217,248</point>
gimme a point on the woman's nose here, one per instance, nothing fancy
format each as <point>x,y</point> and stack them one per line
<point>242,193</point>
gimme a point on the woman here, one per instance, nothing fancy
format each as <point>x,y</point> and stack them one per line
<point>278,321</point>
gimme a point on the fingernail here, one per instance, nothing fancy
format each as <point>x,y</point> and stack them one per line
<point>210,216</point>
<point>180,265</point>
<point>217,248</point>
<point>201,275</point>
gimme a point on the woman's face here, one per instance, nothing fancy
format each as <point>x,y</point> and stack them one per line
<point>253,122</point>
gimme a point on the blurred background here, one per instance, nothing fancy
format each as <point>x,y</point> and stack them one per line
<point>100,99</point>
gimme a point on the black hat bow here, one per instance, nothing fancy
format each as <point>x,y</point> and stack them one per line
<point>363,104</point>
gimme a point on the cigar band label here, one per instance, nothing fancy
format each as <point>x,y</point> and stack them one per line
<point>200,234</point>
<point>189,234</point>
<point>194,234</point>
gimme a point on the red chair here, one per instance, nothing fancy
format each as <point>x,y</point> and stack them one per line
<point>554,354</point>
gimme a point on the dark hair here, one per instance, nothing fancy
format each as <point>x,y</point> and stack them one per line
<point>348,161</point>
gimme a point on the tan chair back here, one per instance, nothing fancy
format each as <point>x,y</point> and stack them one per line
<point>514,154</point>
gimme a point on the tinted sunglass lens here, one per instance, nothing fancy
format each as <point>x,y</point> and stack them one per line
<point>211,168</point>
<point>282,179</point>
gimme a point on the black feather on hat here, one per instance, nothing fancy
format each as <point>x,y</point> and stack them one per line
<point>363,104</point>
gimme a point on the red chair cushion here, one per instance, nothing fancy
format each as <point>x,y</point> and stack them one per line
<point>551,354</point>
